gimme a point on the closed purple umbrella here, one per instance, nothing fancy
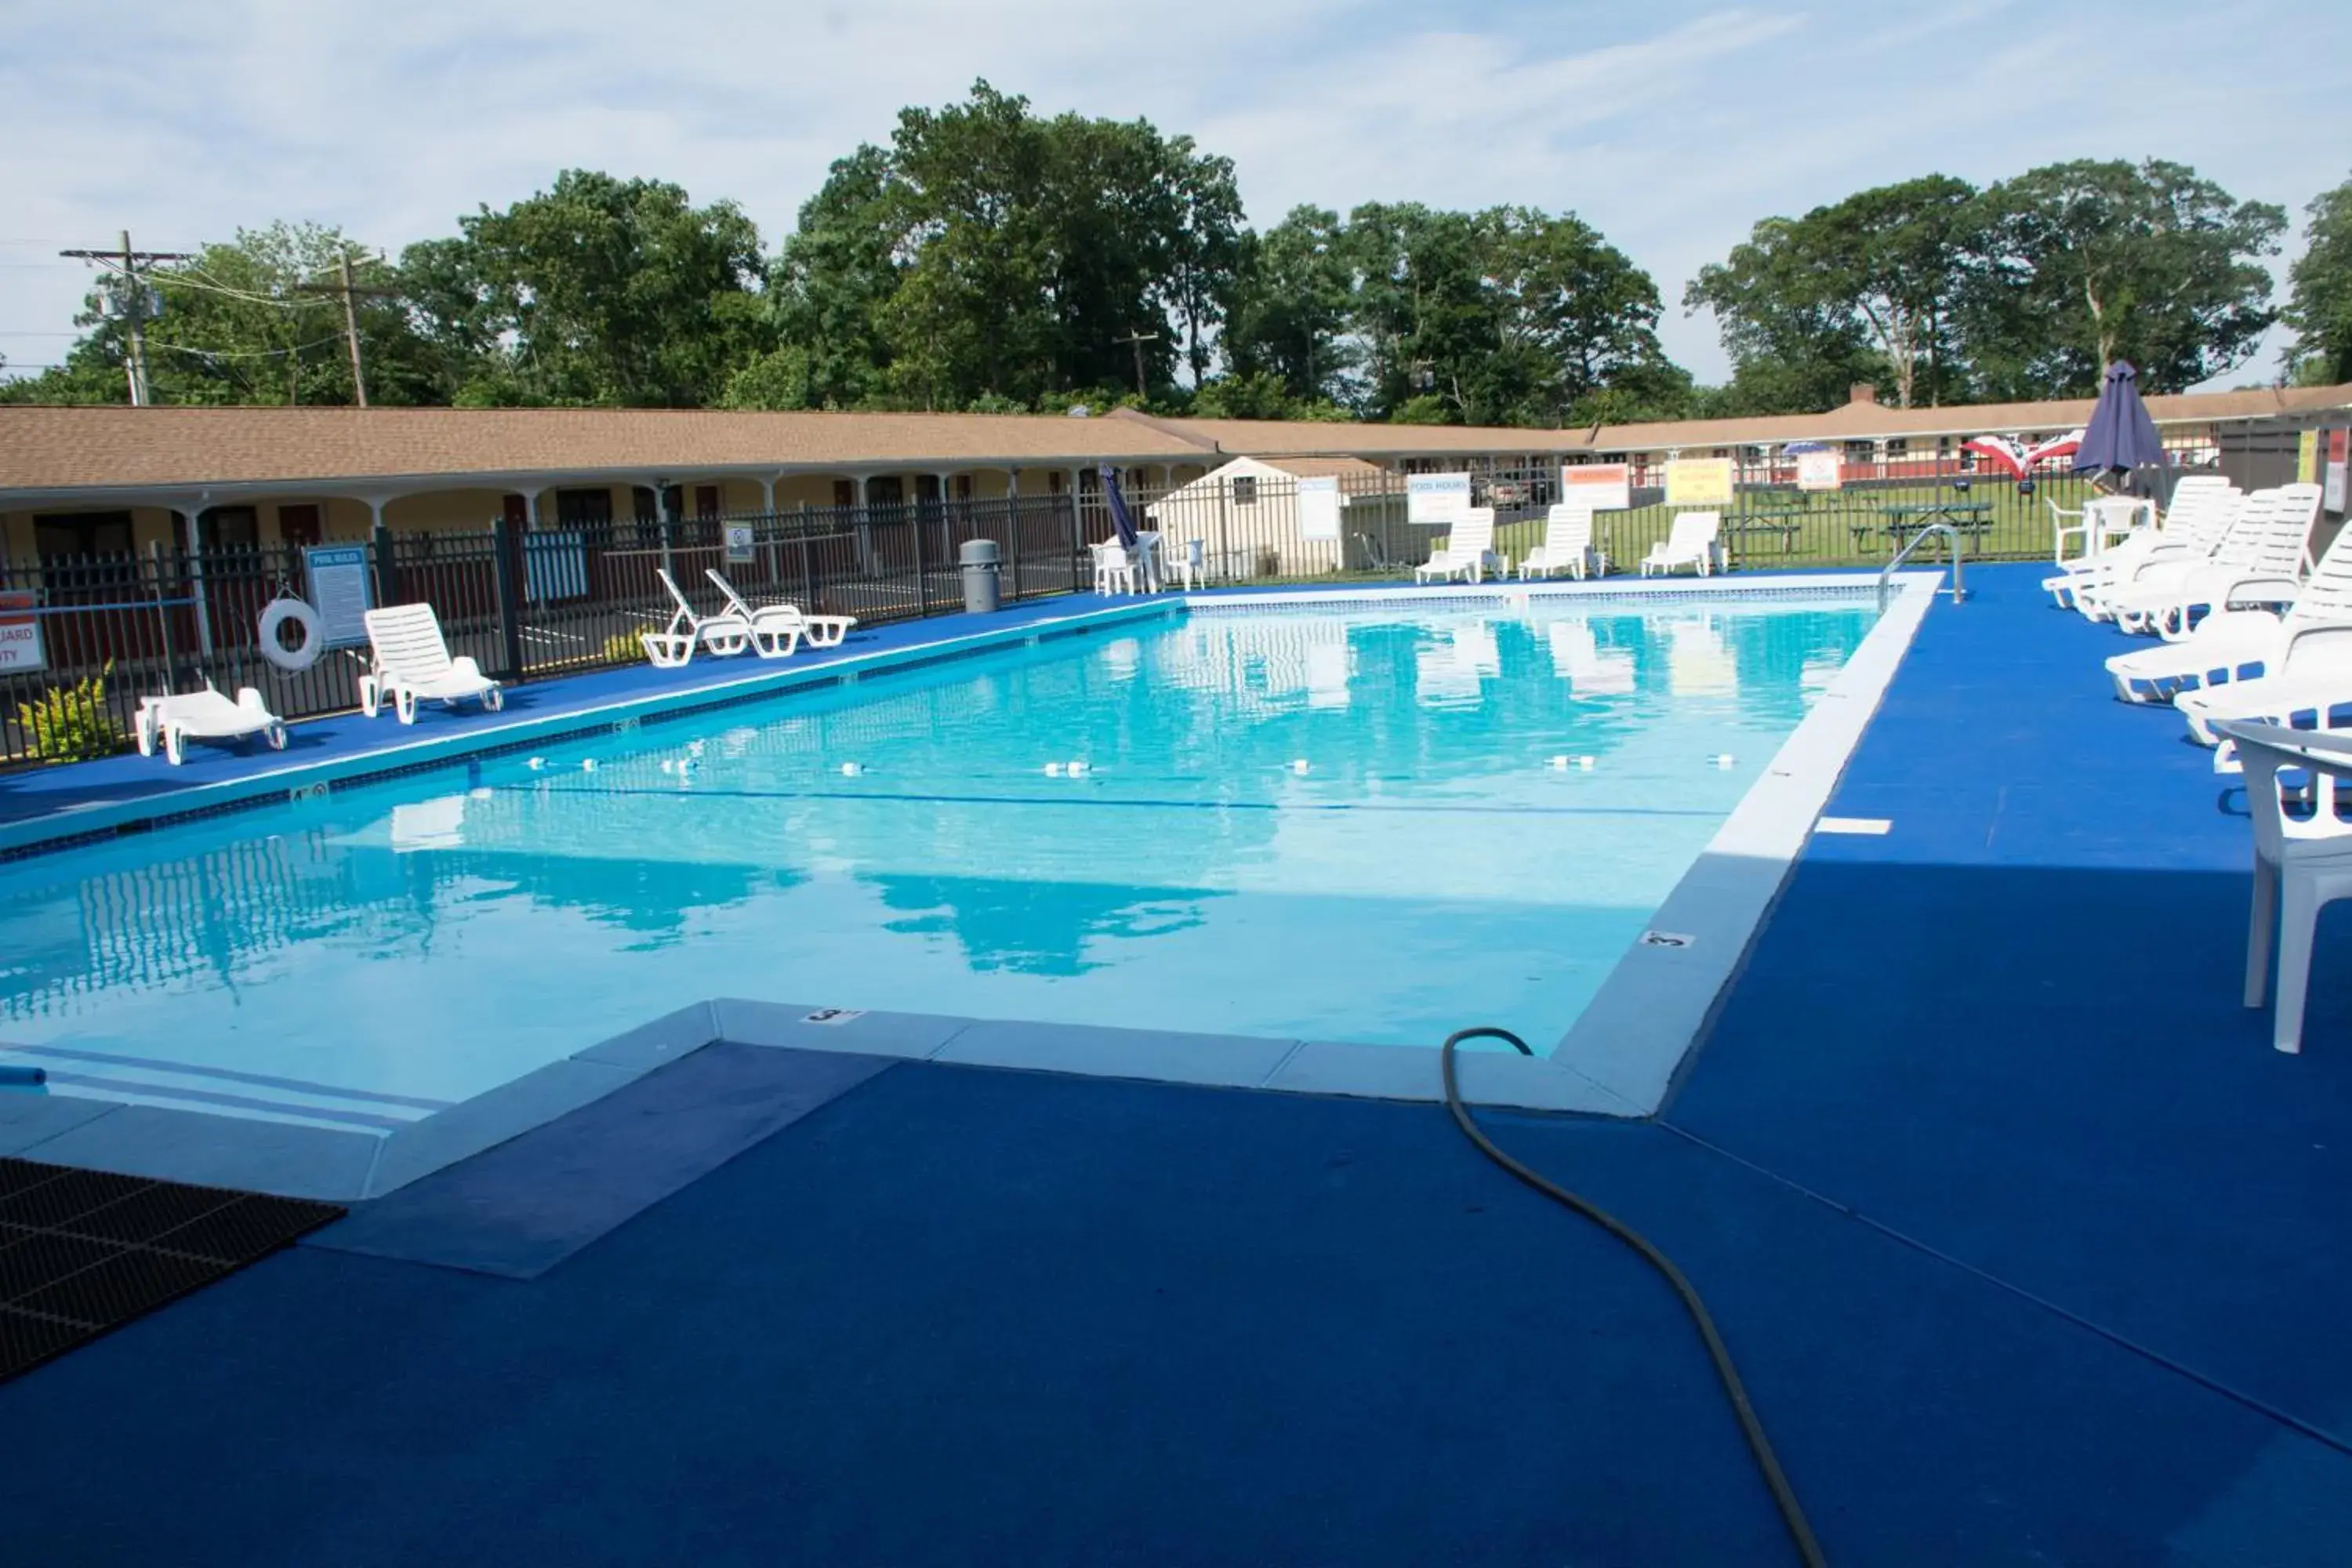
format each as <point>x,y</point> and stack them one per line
<point>1120,518</point>
<point>2120,436</point>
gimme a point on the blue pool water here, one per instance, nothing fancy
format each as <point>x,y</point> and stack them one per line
<point>1295,823</point>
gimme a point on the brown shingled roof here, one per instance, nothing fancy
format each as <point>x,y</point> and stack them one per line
<point>50,449</point>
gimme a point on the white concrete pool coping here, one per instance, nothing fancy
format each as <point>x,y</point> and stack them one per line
<point>1618,1060</point>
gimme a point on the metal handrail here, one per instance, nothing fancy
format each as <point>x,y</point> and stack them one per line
<point>1953,552</point>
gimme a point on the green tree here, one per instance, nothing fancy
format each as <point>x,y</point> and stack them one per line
<point>2093,262</point>
<point>1870,287</point>
<point>1289,304</point>
<point>838,271</point>
<point>602,291</point>
<point>2319,307</point>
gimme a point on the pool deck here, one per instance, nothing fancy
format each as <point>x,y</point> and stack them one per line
<point>2030,1247</point>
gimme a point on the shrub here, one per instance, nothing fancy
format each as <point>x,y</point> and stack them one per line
<point>623,648</point>
<point>70,723</point>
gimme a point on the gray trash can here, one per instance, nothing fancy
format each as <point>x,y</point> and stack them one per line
<point>978,558</point>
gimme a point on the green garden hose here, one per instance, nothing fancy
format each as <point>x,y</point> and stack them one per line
<point>1792,1512</point>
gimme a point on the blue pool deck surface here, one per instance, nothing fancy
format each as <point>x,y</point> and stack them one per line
<point>2029,1245</point>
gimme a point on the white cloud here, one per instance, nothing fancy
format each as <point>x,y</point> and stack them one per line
<point>1671,127</point>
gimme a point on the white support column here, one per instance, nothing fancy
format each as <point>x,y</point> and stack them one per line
<point>193,511</point>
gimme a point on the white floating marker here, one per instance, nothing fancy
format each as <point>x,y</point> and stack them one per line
<point>587,764</point>
<point>668,766</point>
<point>536,763</point>
<point>1053,770</point>
<point>694,748</point>
<point>851,769</point>
<point>1299,766</point>
<point>1077,770</point>
<point>1723,758</point>
<point>1561,763</point>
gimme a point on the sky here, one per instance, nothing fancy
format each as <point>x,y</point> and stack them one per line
<point>1670,127</point>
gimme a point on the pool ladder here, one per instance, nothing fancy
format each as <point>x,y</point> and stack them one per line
<point>1953,551</point>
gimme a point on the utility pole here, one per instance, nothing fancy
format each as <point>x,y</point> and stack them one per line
<point>130,301</point>
<point>351,293</point>
<point>1138,340</point>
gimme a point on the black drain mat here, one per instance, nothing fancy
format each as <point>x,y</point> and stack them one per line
<point>82,1251</point>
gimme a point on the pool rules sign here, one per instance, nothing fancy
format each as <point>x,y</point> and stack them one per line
<point>20,632</point>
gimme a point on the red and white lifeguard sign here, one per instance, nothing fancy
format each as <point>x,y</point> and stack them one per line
<point>20,632</point>
<point>1597,487</point>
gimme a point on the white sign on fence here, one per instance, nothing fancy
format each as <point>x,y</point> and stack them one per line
<point>20,631</point>
<point>1597,487</point>
<point>739,542</point>
<point>343,590</point>
<point>1318,508</point>
<point>1436,499</point>
<point>1819,471</point>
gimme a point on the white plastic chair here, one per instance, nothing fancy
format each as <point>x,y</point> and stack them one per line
<point>413,665</point>
<point>204,715</point>
<point>1186,561</point>
<point>777,628</point>
<point>2062,529</point>
<point>1567,546</point>
<point>2204,507</point>
<point>674,644</point>
<point>1466,549</point>
<point>1691,542</point>
<point>2107,519</point>
<point>2301,861</point>
<point>2257,653</point>
<point>1114,569</point>
<point>2263,560</point>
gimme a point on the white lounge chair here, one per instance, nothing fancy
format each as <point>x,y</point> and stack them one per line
<point>777,628</point>
<point>2202,509</point>
<point>1567,546</point>
<point>1691,542</point>
<point>2249,648</point>
<point>1466,549</point>
<point>725,635</point>
<point>2303,859</point>
<point>2263,558</point>
<point>204,715</point>
<point>413,665</point>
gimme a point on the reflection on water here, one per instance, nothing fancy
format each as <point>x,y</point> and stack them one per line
<point>1274,808</point>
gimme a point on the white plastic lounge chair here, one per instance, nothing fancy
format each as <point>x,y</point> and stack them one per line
<point>204,715</point>
<point>2301,861</point>
<point>1567,546</point>
<point>413,665</point>
<point>778,628</point>
<point>817,631</point>
<point>725,635</point>
<point>1464,552</point>
<point>2263,558</point>
<point>1691,542</point>
<point>2250,647</point>
<point>2203,509</point>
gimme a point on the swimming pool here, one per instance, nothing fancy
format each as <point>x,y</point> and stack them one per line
<point>1365,824</point>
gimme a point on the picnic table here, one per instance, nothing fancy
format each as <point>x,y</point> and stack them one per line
<point>1972,518</point>
<point>1784,523</point>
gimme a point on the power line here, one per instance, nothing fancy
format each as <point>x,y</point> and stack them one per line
<point>351,292</point>
<point>131,299</point>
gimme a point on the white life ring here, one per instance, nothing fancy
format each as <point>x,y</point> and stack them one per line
<point>303,655</point>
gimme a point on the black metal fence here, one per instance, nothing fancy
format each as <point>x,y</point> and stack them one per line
<point>534,603</point>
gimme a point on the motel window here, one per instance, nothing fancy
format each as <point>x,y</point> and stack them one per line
<point>844,492</point>
<point>1246,490</point>
<point>885,490</point>
<point>1896,445</point>
<point>963,487</point>
<point>1859,452</point>
<point>705,500</point>
<point>71,535</point>
<point>583,508</point>
<point>230,528</point>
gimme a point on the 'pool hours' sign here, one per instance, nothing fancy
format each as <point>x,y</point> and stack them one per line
<point>1439,498</point>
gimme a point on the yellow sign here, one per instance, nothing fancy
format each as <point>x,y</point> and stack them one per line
<point>1698,482</point>
<point>2306,459</point>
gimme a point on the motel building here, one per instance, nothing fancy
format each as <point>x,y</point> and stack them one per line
<point>77,482</point>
